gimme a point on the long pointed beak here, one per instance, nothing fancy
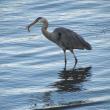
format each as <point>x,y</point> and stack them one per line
<point>28,27</point>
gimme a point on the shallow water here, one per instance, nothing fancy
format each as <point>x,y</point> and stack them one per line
<point>32,74</point>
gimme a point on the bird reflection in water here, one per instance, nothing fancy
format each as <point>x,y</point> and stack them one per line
<point>71,80</point>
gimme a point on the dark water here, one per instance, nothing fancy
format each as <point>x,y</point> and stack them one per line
<point>32,74</point>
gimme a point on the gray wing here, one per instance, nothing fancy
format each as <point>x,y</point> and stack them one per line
<point>69,39</point>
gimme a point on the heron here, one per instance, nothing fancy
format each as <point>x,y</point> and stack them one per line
<point>65,38</point>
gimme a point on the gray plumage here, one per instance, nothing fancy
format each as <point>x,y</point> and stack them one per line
<point>63,37</point>
<point>69,39</point>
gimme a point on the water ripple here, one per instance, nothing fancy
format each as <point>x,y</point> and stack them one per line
<point>32,73</point>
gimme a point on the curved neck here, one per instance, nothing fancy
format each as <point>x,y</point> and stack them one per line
<point>45,31</point>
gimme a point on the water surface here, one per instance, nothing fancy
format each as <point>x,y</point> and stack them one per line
<point>32,74</point>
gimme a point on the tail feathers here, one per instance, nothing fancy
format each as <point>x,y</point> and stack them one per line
<point>87,46</point>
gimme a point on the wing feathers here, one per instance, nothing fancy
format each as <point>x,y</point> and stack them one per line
<point>69,39</point>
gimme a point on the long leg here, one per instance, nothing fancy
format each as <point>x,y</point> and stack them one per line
<point>65,57</point>
<point>75,58</point>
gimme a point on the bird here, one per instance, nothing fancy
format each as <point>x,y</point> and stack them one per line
<point>65,38</point>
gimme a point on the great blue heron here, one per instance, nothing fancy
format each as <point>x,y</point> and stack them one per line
<point>63,37</point>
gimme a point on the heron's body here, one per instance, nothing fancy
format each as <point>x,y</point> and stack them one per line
<point>68,39</point>
<point>63,37</point>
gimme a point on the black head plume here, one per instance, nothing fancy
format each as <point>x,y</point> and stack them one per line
<point>39,18</point>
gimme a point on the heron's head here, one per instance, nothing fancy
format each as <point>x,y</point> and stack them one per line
<point>41,20</point>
